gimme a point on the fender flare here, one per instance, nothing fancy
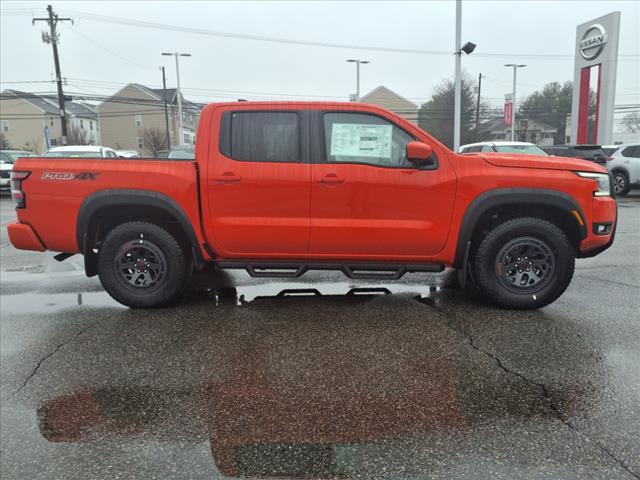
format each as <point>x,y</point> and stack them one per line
<point>121,197</point>
<point>510,196</point>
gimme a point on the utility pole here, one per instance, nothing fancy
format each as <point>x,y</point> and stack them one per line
<point>358,62</point>
<point>52,38</point>
<point>178,94</point>
<point>513,99</point>
<point>478,108</point>
<point>166,112</point>
<point>458,81</point>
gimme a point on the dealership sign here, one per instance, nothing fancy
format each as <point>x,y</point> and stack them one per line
<point>593,41</point>
<point>594,72</point>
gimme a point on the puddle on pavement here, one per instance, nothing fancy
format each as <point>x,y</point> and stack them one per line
<point>234,289</point>
<point>51,302</point>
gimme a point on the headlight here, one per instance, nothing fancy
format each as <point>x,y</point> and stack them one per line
<point>602,183</point>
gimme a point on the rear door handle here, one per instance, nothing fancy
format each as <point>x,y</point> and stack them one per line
<point>331,179</point>
<point>227,177</point>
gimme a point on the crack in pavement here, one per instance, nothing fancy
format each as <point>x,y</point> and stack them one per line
<point>56,350</point>
<point>546,395</point>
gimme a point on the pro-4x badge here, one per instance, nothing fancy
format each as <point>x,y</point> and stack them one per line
<point>69,176</point>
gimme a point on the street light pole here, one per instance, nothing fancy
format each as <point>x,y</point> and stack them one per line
<point>513,99</point>
<point>178,94</point>
<point>166,113</point>
<point>478,108</point>
<point>357,61</point>
<point>458,80</point>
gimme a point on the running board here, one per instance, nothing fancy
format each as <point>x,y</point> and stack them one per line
<point>356,271</point>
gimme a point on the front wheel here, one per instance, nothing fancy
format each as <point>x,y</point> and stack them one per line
<point>524,263</point>
<point>141,265</point>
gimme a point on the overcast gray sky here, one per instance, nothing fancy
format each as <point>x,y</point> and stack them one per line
<point>98,56</point>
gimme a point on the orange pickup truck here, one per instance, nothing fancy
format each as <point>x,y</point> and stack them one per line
<point>281,188</point>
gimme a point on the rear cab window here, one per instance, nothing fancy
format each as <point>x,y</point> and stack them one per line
<point>364,139</point>
<point>264,136</point>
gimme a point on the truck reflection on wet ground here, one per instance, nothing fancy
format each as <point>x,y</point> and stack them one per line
<point>281,394</point>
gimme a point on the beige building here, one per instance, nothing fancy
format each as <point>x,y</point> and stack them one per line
<point>24,117</point>
<point>125,116</point>
<point>527,130</point>
<point>390,100</point>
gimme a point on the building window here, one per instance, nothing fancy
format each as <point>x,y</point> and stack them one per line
<point>5,125</point>
<point>140,142</point>
<point>81,125</point>
<point>186,138</point>
<point>54,142</point>
<point>90,125</point>
<point>184,116</point>
<point>138,120</point>
<point>51,121</point>
<point>171,135</point>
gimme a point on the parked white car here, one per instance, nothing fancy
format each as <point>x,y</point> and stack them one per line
<point>503,147</point>
<point>85,151</point>
<point>625,168</point>
<point>7,159</point>
<point>128,153</point>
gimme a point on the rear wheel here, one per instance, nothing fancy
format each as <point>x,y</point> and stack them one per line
<point>621,184</point>
<point>141,265</point>
<point>524,263</point>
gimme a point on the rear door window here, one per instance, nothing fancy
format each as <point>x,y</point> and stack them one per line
<point>261,136</point>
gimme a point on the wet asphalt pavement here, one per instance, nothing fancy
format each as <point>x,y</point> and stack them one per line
<point>269,379</point>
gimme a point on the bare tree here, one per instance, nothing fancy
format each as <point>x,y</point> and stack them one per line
<point>5,144</point>
<point>155,140</point>
<point>78,136</point>
<point>631,122</point>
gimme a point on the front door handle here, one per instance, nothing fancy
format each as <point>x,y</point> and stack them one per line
<point>331,179</point>
<point>227,177</point>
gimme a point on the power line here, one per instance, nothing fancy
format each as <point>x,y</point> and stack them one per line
<point>309,43</point>
<point>77,32</point>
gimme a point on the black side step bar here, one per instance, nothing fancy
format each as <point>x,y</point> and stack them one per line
<point>356,270</point>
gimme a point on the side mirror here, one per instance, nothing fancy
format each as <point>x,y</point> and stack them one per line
<point>419,153</point>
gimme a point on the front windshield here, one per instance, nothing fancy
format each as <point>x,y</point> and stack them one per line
<point>524,149</point>
<point>73,154</point>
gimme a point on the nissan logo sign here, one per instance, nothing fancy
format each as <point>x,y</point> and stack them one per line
<point>592,42</point>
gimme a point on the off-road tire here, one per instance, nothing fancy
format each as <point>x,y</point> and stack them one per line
<point>485,266</point>
<point>176,265</point>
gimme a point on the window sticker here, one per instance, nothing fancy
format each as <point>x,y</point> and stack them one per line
<point>360,140</point>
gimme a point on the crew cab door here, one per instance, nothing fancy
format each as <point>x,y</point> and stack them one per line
<point>367,200</point>
<point>258,183</point>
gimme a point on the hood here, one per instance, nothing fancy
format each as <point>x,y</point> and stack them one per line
<point>538,161</point>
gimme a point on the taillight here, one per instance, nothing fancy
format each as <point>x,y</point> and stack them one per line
<point>16,188</point>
